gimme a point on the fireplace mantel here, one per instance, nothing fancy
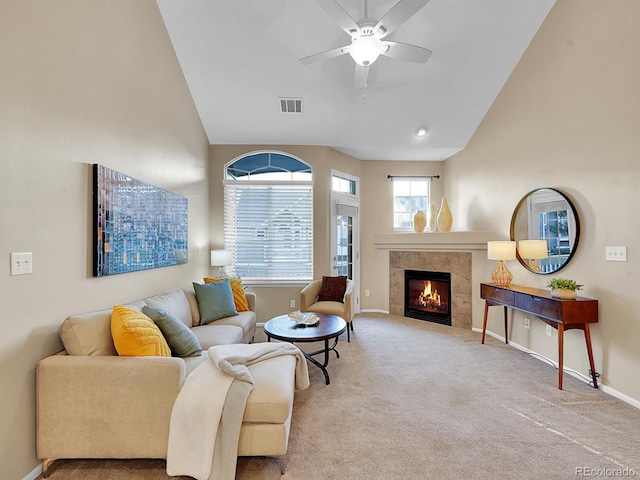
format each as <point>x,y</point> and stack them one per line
<point>445,241</point>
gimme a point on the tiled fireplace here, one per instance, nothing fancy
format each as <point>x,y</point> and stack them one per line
<point>457,264</point>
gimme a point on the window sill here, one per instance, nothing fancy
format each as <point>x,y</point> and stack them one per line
<point>276,284</point>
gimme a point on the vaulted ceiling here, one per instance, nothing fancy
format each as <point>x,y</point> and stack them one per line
<point>240,57</point>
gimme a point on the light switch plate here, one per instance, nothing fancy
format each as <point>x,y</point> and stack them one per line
<point>616,254</point>
<point>21,263</point>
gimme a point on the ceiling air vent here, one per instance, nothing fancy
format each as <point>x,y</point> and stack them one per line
<point>291,105</point>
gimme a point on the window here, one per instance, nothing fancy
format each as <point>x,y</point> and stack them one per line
<point>268,219</point>
<point>343,185</point>
<point>553,226</point>
<point>409,196</point>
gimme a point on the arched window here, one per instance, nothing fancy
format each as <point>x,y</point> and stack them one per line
<point>268,218</point>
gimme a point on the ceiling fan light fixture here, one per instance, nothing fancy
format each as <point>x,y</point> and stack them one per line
<point>366,49</point>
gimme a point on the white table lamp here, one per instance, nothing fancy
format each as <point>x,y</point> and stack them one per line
<point>501,250</point>
<point>221,258</point>
<point>533,250</point>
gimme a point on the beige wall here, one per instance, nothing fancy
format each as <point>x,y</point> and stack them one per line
<point>377,218</point>
<point>273,301</point>
<point>86,82</point>
<point>81,82</point>
<point>569,118</point>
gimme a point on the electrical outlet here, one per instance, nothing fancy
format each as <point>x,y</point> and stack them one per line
<point>21,263</point>
<point>548,330</point>
<point>367,293</point>
<point>293,304</point>
<point>616,254</point>
<point>526,323</point>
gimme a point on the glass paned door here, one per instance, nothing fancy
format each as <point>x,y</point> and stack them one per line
<point>343,260</point>
<point>345,239</point>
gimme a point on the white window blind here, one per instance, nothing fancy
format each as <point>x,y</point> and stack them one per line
<point>269,229</point>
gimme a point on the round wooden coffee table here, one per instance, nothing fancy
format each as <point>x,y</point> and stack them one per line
<point>329,327</point>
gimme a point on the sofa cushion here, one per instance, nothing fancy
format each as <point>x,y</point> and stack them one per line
<point>239,298</point>
<point>182,341</point>
<point>174,301</point>
<point>214,334</point>
<point>90,333</point>
<point>190,293</point>
<point>215,301</point>
<point>271,399</point>
<point>135,334</point>
<point>191,363</point>
<point>332,289</point>
<point>244,320</point>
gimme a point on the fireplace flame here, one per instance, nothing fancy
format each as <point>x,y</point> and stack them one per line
<point>429,298</point>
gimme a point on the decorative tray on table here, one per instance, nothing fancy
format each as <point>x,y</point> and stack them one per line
<point>303,320</point>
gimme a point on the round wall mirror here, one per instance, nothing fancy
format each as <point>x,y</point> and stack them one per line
<point>546,228</point>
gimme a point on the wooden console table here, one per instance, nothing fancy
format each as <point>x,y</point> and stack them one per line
<point>560,314</point>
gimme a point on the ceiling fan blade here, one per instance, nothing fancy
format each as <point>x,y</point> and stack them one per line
<point>405,51</point>
<point>399,13</point>
<point>336,52</point>
<point>361,76</point>
<point>340,16</point>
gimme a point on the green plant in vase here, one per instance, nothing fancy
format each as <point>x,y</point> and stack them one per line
<point>564,288</point>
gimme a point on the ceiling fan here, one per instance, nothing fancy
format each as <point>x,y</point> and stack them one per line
<point>367,37</point>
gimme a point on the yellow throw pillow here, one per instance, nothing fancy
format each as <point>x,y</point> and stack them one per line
<point>135,334</point>
<point>239,298</point>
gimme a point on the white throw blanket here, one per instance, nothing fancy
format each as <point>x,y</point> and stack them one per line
<point>207,415</point>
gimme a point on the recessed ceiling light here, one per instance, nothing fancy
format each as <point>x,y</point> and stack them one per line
<point>422,131</point>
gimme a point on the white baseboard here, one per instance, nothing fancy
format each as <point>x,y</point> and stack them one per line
<point>33,474</point>
<point>608,390</point>
<point>619,395</point>
<point>374,310</point>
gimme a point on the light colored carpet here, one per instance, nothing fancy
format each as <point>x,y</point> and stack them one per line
<point>415,400</point>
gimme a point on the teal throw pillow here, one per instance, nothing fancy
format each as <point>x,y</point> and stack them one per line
<point>182,341</point>
<point>215,301</point>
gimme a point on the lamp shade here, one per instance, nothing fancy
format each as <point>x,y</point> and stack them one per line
<point>501,250</point>
<point>221,258</point>
<point>533,249</point>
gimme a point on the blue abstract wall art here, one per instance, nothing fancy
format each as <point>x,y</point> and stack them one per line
<point>137,226</point>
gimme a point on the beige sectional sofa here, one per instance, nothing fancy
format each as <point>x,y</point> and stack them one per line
<point>92,403</point>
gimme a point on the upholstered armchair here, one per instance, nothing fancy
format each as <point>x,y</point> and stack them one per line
<point>345,309</point>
